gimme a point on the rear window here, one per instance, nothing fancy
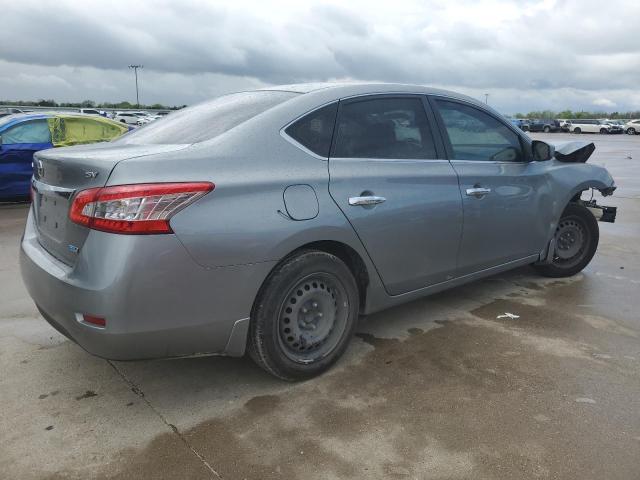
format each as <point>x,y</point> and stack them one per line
<point>207,120</point>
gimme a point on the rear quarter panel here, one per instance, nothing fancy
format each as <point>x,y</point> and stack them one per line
<point>244,220</point>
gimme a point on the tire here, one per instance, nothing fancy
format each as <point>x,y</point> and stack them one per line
<point>304,316</point>
<point>603,131</point>
<point>631,131</point>
<point>576,242</point>
<point>123,121</point>
<point>546,129</point>
<point>577,130</point>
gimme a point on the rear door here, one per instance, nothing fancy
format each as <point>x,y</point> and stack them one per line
<point>507,200</point>
<point>399,194</point>
<point>18,144</point>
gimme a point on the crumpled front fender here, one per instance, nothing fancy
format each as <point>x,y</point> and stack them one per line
<point>572,179</point>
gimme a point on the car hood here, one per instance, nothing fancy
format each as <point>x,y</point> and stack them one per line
<point>574,152</point>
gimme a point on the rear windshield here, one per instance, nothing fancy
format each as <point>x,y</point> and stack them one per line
<point>207,120</point>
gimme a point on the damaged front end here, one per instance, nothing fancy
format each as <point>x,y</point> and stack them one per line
<point>580,152</point>
<point>601,212</point>
<point>574,152</point>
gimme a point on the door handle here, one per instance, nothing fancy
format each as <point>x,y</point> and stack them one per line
<point>368,200</point>
<point>478,191</point>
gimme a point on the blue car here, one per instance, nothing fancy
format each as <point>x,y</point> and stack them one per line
<point>22,135</point>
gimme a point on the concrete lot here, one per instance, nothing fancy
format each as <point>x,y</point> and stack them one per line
<point>439,388</point>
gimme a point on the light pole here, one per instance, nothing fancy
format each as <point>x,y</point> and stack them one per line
<point>486,99</point>
<point>135,71</point>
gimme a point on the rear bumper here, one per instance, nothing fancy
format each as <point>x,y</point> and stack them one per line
<point>156,300</point>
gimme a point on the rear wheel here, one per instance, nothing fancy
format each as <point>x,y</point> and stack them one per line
<point>577,130</point>
<point>546,129</point>
<point>576,240</point>
<point>304,316</point>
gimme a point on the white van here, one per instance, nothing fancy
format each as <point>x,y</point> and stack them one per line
<point>582,125</point>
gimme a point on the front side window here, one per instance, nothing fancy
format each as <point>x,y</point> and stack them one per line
<point>314,131</point>
<point>390,128</point>
<point>476,135</point>
<point>33,131</point>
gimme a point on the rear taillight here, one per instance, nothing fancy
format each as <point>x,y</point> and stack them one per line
<point>134,209</point>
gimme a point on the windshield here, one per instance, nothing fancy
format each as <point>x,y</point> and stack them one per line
<point>207,120</point>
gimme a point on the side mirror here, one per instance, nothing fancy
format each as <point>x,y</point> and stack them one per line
<point>542,151</point>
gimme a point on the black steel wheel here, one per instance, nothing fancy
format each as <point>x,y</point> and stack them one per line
<point>313,317</point>
<point>575,242</point>
<point>304,316</point>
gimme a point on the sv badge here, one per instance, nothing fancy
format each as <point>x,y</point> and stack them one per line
<point>90,174</point>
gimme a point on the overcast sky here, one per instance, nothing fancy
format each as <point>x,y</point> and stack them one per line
<point>578,54</point>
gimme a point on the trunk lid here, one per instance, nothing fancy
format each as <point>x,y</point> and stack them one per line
<point>59,173</point>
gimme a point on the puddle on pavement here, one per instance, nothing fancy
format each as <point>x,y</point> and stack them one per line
<point>476,397</point>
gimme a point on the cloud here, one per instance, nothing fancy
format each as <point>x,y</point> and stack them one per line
<point>527,49</point>
<point>604,102</point>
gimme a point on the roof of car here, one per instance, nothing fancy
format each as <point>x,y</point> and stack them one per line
<point>20,117</point>
<point>363,88</point>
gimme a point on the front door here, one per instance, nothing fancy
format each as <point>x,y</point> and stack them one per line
<point>506,197</point>
<point>400,197</point>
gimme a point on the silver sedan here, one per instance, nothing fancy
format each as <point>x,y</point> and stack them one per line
<point>269,220</point>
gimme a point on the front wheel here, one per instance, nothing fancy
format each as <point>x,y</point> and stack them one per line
<point>575,242</point>
<point>304,316</point>
<point>577,130</point>
<point>631,131</point>
<point>604,130</point>
<point>546,129</point>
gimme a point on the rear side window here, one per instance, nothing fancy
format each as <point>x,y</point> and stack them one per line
<point>476,135</point>
<point>314,131</point>
<point>207,120</point>
<point>34,131</point>
<point>390,128</point>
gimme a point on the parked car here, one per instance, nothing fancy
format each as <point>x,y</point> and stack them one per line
<point>632,127</point>
<point>9,111</point>
<point>589,126</point>
<point>144,117</point>
<point>22,135</point>
<point>130,118</point>
<point>516,122</point>
<point>93,111</point>
<point>616,126</point>
<point>544,125</point>
<point>271,219</point>
<point>565,125</point>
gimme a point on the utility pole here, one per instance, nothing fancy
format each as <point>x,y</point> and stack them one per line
<point>486,99</point>
<point>135,71</point>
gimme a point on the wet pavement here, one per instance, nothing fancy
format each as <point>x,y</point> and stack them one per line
<point>514,376</point>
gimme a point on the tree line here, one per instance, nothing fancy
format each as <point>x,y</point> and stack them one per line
<point>568,114</point>
<point>86,104</point>
<point>159,106</point>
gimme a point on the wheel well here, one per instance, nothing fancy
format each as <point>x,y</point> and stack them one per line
<point>576,197</point>
<point>349,256</point>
